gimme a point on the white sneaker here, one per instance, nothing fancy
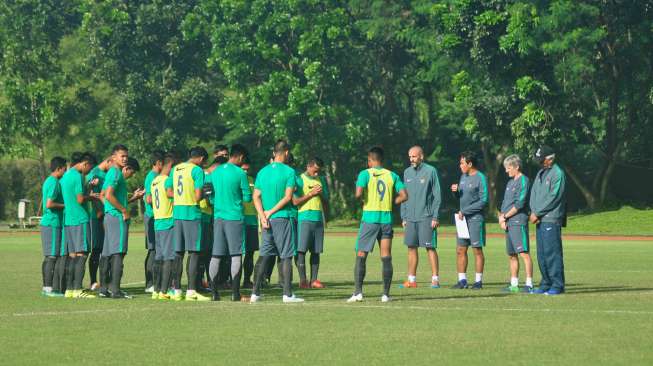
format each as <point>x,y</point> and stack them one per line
<point>149,290</point>
<point>355,298</point>
<point>95,286</point>
<point>254,298</point>
<point>386,298</point>
<point>291,299</point>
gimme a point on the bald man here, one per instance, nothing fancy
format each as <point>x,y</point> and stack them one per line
<point>419,215</point>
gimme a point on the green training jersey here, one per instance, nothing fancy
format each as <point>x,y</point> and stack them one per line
<point>116,180</point>
<point>272,181</point>
<point>51,191</point>
<point>71,186</point>
<point>148,191</point>
<point>100,174</point>
<point>379,184</point>
<point>251,216</point>
<point>230,190</point>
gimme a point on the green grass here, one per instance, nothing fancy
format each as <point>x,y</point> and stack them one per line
<point>605,318</point>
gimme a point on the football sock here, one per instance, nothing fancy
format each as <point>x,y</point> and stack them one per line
<point>529,281</point>
<point>149,267</point>
<point>300,262</point>
<point>166,273</point>
<point>412,278</point>
<point>236,262</point>
<point>45,259</point>
<point>214,268</point>
<point>514,281</point>
<point>156,275</point>
<point>80,267</point>
<point>58,280</point>
<point>116,272</point>
<point>315,265</point>
<point>193,263</point>
<point>248,266</point>
<point>70,270</point>
<point>260,271</point>
<point>462,276</point>
<point>479,277</point>
<point>435,278</point>
<point>387,274</point>
<point>48,271</point>
<point>286,269</point>
<point>93,265</point>
<point>269,270</point>
<point>359,273</point>
<point>104,272</point>
<point>178,270</point>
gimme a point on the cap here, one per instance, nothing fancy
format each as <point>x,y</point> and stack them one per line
<point>542,152</point>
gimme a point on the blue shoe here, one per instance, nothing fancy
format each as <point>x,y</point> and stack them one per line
<point>477,285</point>
<point>553,292</point>
<point>462,284</point>
<point>539,291</point>
<point>527,290</point>
<point>435,284</point>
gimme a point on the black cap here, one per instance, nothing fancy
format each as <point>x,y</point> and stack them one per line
<point>542,152</point>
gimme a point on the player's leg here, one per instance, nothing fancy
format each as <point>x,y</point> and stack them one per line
<point>542,249</point>
<point>178,265</point>
<point>165,245</point>
<point>267,255</point>
<point>218,255</point>
<point>554,258</point>
<point>461,263</point>
<point>251,245</point>
<point>97,238</point>
<point>316,250</point>
<point>477,236</point>
<point>526,257</point>
<point>304,233</point>
<point>235,234</point>
<point>283,233</point>
<point>193,239</point>
<point>83,248</point>
<point>118,250</point>
<point>148,264</point>
<point>385,244</point>
<point>48,244</point>
<point>411,240</point>
<point>367,234</point>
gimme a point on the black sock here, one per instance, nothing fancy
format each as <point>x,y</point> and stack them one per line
<point>260,271</point>
<point>191,270</point>
<point>387,274</point>
<point>70,270</point>
<point>166,274</point>
<point>45,259</point>
<point>105,278</point>
<point>80,267</point>
<point>315,265</point>
<point>48,270</point>
<point>156,275</point>
<point>300,262</point>
<point>248,267</point>
<point>280,272</point>
<point>93,264</point>
<point>359,273</point>
<point>286,268</point>
<point>178,270</point>
<point>116,272</point>
<point>149,268</point>
<point>58,281</point>
<point>270,269</point>
<point>236,265</point>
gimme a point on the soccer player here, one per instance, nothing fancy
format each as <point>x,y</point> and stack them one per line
<point>230,190</point>
<point>419,215</point>
<point>163,224</point>
<point>513,218</point>
<point>76,224</point>
<point>117,217</point>
<point>311,198</point>
<point>473,194</point>
<point>251,230</point>
<point>273,190</point>
<point>185,185</point>
<point>95,181</point>
<point>221,151</point>
<point>51,223</point>
<point>377,187</point>
<point>148,221</point>
<point>548,212</point>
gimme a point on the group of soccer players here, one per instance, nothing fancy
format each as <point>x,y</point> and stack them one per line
<point>211,213</point>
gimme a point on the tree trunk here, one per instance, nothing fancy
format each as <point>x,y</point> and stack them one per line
<point>587,193</point>
<point>492,170</point>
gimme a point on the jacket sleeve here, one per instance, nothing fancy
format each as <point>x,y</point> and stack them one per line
<point>437,194</point>
<point>553,198</point>
<point>520,203</point>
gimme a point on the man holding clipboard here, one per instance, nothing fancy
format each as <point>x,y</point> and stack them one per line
<point>473,194</point>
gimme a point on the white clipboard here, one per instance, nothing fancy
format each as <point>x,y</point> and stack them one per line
<point>461,227</point>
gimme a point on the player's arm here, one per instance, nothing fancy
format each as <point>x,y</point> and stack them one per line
<point>552,198</point>
<point>361,183</point>
<point>244,188</point>
<point>402,196</point>
<point>298,201</point>
<point>198,179</point>
<point>138,194</point>
<point>109,195</point>
<point>258,204</point>
<point>53,205</point>
<point>287,197</point>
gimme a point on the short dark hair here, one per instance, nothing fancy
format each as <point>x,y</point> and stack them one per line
<point>376,153</point>
<point>316,161</point>
<point>469,157</point>
<point>247,160</point>
<point>169,158</point>
<point>79,157</point>
<point>132,163</point>
<point>198,152</point>
<point>219,148</point>
<point>119,147</point>
<point>220,160</point>
<point>281,146</point>
<point>157,156</point>
<point>57,163</point>
<point>238,150</point>
<point>91,156</point>
<point>291,159</point>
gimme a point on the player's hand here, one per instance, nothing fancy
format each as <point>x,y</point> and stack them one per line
<point>503,224</point>
<point>316,190</point>
<point>403,223</point>
<point>454,188</point>
<point>125,215</point>
<point>94,181</point>
<point>533,219</point>
<point>435,224</point>
<point>139,193</point>
<point>95,196</point>
<point>460,215</point>
<point>265,223</point>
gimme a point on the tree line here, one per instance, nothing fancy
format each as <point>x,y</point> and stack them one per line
<point>334,78</point>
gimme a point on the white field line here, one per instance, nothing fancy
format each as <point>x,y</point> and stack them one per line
<point>389,307</point>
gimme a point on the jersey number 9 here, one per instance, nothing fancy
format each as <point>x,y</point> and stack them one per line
<point>380,189</point>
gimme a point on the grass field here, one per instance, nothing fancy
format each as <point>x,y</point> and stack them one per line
<point>605,318</point>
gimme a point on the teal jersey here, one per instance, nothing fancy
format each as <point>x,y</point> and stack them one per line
<point>148,191</point>
<point>100,174</point>
<point>116,180</point>
<point>164,224</point>
<point>230,190</point>
<point>180,212</point>
<point>294,212</point>
<point>51,191</point>
<point>311,215</point>
<point>71,186</point>
<point>272,181</point>
<point>378,216</point>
